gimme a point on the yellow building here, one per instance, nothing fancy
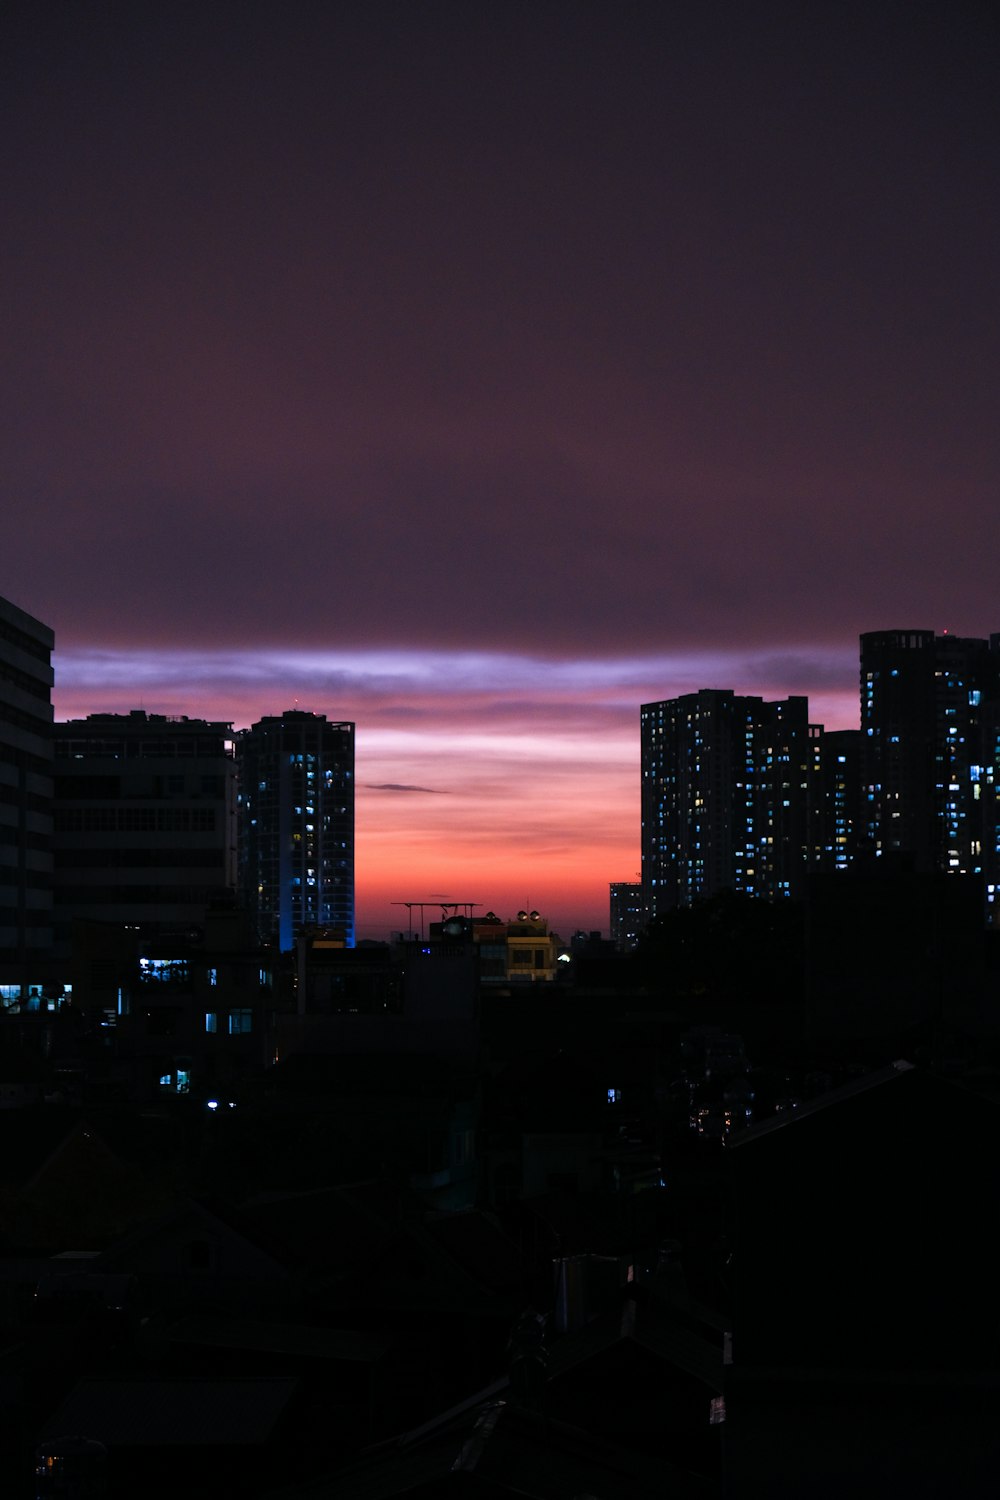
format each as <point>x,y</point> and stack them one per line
<point>519,951</point>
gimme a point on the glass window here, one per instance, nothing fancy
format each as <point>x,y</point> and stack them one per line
<point>163,970</point>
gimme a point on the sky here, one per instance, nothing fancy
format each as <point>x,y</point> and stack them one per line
<point>480,373</point>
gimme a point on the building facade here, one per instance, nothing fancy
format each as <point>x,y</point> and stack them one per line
<point>296,825</point>
<point>627,914</point>
<point>25,801</point>
<point>727,798</point>
<point>841,831</point>
<point>930,721</point>
<point>144,821</point>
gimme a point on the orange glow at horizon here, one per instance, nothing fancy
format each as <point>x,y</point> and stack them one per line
<point>505,820</point>
<point>466,790</point>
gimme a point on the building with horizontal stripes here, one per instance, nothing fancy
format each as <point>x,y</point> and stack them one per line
<point>25,801</point>
<point>144,828</point>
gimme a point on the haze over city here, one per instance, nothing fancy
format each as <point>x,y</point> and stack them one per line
<point>478,378</point>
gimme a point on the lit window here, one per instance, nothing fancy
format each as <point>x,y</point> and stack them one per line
<point>163,970</point>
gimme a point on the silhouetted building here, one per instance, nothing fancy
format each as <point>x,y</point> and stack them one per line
<point>200,1014</point>
<point>522,951</point>
<point>840,805</point>
<point>25,800</point>
<point>863,1277</point>
<point>296,825</point>
<point>726,797</point>
<point>890,949</point>
<point>930,719</point>
<point>414,996</point>
<point>627,914</point>
<point>144,829</point>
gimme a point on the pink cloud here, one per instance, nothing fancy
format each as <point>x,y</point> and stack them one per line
<point>539,758</point>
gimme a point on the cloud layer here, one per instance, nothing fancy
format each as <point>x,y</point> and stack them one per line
<point>569,331</point>
<point>494,778</point>
<point>478,373</point>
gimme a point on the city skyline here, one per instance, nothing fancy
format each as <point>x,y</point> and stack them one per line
<point>106,685</point>
<point>478,378</point>
<point>442,804</point>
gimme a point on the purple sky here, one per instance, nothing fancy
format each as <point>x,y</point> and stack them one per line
<point>414,360</point>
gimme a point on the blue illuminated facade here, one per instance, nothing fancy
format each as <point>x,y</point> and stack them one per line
<point>930,723</point>
<point>295,777</point>
<point>727,797</point>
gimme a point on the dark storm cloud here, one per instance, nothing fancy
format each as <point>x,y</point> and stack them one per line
<point>581,329</point>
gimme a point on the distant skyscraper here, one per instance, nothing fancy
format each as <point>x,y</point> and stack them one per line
<point>841,825</point>
<point>296,824</point>
<point>726,798</point>
<point>25,799</point>
<point>144,830</point>
<point>930,721</point>
<point>627,914</point>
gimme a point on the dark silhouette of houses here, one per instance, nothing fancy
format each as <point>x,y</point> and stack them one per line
<point>865,1287</point>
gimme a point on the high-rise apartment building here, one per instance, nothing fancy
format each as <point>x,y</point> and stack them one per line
<point>25,799</point>
<point>296,825</point>
<point>840,810</point>
<point>726,797</point>
<point>930,722</point>
<point>628,914</point>
<point>144,820</point>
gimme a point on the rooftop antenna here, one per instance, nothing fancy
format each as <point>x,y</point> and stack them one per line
<point>445,906</point>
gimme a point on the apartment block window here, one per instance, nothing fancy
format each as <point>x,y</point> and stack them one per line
<point>240,1022</point>
<point>211,1021</point>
